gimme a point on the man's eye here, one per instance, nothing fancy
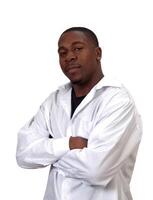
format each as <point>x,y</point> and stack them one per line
<point>78,48</point>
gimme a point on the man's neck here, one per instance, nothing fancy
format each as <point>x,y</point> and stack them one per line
<point>84,89</point>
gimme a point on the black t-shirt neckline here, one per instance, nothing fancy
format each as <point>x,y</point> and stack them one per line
<point>75,101</point>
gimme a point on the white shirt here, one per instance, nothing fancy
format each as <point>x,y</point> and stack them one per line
<point>108,118</point>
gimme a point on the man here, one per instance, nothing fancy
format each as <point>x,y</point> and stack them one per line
<point>88,130</point>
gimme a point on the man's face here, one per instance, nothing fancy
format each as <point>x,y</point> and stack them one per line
<point>78,57</point>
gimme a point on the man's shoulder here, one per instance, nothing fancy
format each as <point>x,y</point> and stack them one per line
<point>52,97</point>
<point>114,91</point>
<point>111,85</point>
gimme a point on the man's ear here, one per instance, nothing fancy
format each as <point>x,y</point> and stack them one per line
<point>98,53</point>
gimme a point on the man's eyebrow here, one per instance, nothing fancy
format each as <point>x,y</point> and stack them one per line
<point>77,42</point>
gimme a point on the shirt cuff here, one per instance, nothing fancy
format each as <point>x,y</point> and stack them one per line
<point>60,146</point>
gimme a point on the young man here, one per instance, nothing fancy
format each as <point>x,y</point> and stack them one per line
<point>88,130</point>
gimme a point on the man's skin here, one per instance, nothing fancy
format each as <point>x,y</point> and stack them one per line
<point>79,59</point>
<point>77,143</point>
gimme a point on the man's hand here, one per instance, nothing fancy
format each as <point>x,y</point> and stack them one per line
<point>77,143</point>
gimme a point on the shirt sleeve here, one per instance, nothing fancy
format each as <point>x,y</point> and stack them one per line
<point>35,149</point>
<point>114,138</point>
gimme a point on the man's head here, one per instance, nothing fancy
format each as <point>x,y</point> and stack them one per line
<point>80,55</point>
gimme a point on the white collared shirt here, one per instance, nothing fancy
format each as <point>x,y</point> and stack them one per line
<point>108,118</point>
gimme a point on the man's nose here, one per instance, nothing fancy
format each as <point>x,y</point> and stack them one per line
<point>70,56</point>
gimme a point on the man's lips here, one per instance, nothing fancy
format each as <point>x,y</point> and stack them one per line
<point>73,67</point>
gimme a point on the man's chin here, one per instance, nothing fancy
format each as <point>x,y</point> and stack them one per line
<point>76,82</point>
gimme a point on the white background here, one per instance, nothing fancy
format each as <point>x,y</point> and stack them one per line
<point>29,71</point>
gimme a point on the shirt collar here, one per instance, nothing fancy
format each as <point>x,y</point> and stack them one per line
<point>106,81</point>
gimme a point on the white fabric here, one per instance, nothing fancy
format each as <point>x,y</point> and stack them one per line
<point>108,118</point>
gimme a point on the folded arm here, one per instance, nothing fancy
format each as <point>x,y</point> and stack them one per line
<point>35,148</point>
<point>115,136</point>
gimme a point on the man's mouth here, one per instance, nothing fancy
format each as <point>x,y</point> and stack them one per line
<point>73,67</point>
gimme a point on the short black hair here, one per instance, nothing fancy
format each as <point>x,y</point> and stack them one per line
<point>86,31</point>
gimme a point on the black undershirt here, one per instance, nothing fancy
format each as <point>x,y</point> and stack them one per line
<point>75,101</point>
